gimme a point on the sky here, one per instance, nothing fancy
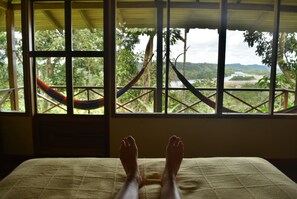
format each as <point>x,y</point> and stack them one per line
<point>203,48</point>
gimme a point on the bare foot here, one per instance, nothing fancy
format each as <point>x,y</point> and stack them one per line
<point>174,157</point>
<point>128,156</point>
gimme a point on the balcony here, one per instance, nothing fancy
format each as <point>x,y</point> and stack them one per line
<point>178,103</point>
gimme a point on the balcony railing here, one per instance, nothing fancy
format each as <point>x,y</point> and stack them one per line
<point>283,97</point>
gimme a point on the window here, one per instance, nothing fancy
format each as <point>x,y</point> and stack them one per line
<point>68,57</point>
<point>286,88</point>
<point>136,58</point>
<point>11,67</point>
<point>244,91</point>
<point>172,57</point>
<point>220,57</point>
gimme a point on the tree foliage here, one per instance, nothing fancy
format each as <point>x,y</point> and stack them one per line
<point>286,56</point>
<point>3,61</point>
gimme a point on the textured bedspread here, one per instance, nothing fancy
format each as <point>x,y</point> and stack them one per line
<point>102,178</point>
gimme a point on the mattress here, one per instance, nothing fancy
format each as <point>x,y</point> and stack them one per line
<point>103,177</point>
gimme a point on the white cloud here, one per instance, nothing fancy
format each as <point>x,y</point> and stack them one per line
<point>203,47</point>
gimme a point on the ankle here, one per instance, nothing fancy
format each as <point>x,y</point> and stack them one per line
<point>134,177</point>
<point>168,177</point>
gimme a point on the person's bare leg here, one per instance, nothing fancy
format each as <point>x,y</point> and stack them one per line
<point>128,156</point>
<point>174,156</point>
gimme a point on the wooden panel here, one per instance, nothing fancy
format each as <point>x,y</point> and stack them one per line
<point>62,135</point>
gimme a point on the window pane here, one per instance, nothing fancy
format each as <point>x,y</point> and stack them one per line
<point>88,85</point>
<point>51,81</point>
<point>4,79</point>
<point>286,93</point>
<point>247,71</point>
<point>87,23</point>
<point>135,46</point>
<point>11,86</point>
<point>49,26</point>
<point>194,54</point>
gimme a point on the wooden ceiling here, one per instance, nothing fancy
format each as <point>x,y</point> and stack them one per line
<point>242,14</point>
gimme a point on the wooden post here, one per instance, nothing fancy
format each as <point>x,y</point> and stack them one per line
<point>221,57</point>
<point>295,101</point>
<point>12,69</point>
<point>274,56</point>
<point>158,98</point>
<point>286,99</point>
<point>167,57</point>
<point>68,43</point>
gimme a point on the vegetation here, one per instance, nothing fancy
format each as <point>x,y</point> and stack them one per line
<point>242,78</point>
<point>209,71</point>
<point>286,57</point>
<point>88,72</point>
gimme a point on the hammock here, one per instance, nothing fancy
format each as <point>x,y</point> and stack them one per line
<point>88,104</point>
<point>197,93</point>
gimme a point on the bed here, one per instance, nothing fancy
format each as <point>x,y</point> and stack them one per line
<point>103,177</point>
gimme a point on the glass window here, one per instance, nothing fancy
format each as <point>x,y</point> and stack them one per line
<point>49,26</point>
<point>88,72</point>
<point>136,59</point>
<point>87,26</point>
<point>11,59</point>
<point>51,84</point>
<point>286,92</point>
<point>246,70</point>
<point>193,68</point>
<point>193,57</point>
<point>88,81</point>
<point>80,55</point>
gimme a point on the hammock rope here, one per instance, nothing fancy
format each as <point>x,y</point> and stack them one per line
<point>193,90</point>
<point>211,103</point>
<point>89,104</point>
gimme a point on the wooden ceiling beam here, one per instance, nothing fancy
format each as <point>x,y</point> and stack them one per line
<point>3,4</point>
<point>153,4</point>
<point>75,5</point>
<point>258,23</point>
<point>201,5</point>
<point>86,19</point>
<point>53,20</point>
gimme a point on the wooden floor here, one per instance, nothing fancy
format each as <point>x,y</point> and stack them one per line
<point>8,163</point>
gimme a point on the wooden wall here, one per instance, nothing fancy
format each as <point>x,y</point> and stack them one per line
<point>268,138</point>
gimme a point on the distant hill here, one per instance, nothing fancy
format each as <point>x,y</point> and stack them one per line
<point>253,67</point>
<point>209,71</point>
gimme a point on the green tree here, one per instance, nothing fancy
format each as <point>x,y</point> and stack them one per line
<point>286,59</point>
<point>3,61</point>
<point>287,50</point>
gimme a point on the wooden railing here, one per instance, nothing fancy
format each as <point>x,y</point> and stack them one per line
<point>5,94</point>
<point>185,105</point>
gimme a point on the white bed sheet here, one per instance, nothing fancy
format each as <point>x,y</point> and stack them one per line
<point>103,177</point>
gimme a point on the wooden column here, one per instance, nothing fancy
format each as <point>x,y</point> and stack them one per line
<point>68,43</point>
<point>109,58</point>
<point>221,57</point>
<point>12,69</point>
<point>158,97</point>
<point>28,66</point>
<point>274,56</point>
<point>167,57</point>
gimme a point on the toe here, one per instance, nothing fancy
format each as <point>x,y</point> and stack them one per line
<point>131,141</point>
<point>172,140</point>
<point>123,144</point>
